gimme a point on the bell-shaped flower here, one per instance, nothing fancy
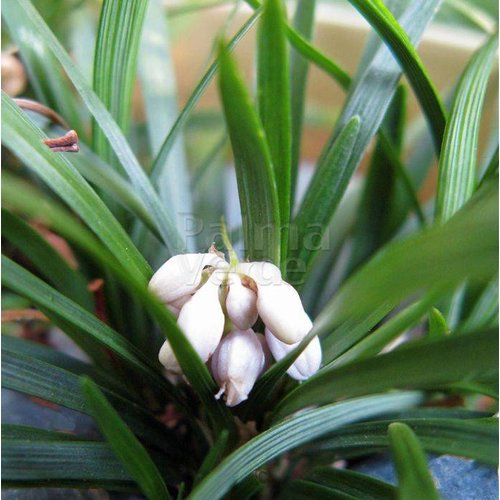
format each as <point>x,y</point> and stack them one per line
<point>281,310</point>
<point>306,364</point>
<point>236,365</point>
<point>181,275</point>
<point>202,321</point>
<point>241,303</point>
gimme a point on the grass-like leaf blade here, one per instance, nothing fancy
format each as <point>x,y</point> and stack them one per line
<point>292,433</point>
<point>22,15</point>
<point>51,302</point>
<point>462,435</point>
<point>375,341</point>
<point>60,464</point>
<point>324,194</point>
<point>58,359</point>
<point>273,91</point>
<point>124,444</point>
<point>465,247</point>
<point>311,53</point>
<point>469,358</point>
<point>253,163</point>
<point>28,433</point>
<point>31,376</point>
<point>373,88</point>
<point>457,164</point>
<point>349,482</point>
<point>393,34</point>
<point>25,199</point>
<point>158,88</point>
<point>303,22</point>
<point>47,260</point>
<point>168,143</point>
<point>414,479</point>
<point>115,61</point>
<point>24,139</point>
<point>104,177</point>
<point>50,85</point>
<point>213,457</point>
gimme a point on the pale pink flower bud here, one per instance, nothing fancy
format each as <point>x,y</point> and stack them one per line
<point>306,364</point>
<point>281,309</point>
<point>175,306</point>
<point>263,273</point>
<point>202,321</point>
<point>268,357</point>
<point>241,304</point>
<point>181,275</point>
<point>236,365</point>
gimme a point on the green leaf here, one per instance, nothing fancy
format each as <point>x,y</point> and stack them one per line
<point>491,170</point>
<point>415,480</point>
<point>463,12</point>
<point>273,92</point>
<point>460,435</point>
<point>49,355</point>
<point>300,489</point>
<point>254,171</point>
<point>303,22</point>
<point>323,195</point>
<point>320,60</point>
<point>372,91</point>
<point>419,365</point>
<point>115,61</point>
<point>161,158</point>
<point>311,53</point>
<point>315,287</point>
<point>213,457</point>
<point>52,302</point>
<point>50,85</point>
<point>24,198</point>
<point>27,433</point>
<point>158,89</point>
<point>124,444</point>
<point>485,311</point>
<point>24,139</point>
<point>49,262</point>
<point>59,464</point>
<point>29,375</point>
<point>349,482</point>
<point>457,164</point>
<point>376,211</point>
<point>340,341</point>
<point>401,45</point>
<point>441,256</point>
<point>438,327</point>
<point>292,433</point>
<point>375,341</point>
<point>104,177</point>
<point>23,16</point>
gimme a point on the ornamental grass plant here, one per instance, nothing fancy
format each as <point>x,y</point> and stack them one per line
<point>207,342</point>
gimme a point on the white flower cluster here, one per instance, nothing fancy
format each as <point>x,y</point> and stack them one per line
<point>216,305</point>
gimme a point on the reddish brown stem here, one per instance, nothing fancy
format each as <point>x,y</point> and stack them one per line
<point>42,110</point>
<point>23,315</point>
<point>68,143</point>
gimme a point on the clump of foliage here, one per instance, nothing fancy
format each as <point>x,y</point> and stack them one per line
<point>84,231</point>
